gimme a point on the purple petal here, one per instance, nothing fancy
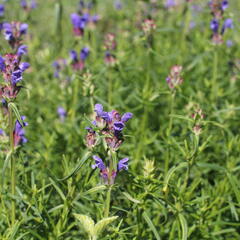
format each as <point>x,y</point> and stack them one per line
<point>99,163</point>
<point>24,66</point>
<point>23,28</point>
<point>126,117</point>
<point>98,109</point>
<point>22,50</point>
<point>118,126</point>
<point>123,164</point>
<point>2,63</point>
<point>73,55</point>
<point>84,53</point>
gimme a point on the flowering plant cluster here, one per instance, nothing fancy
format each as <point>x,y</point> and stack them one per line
<point>108,126</point>
<point>148,26</point>
<point>81,19</point>
<point>13,33</point>
<point>12,69</point>
<point>217,9</point>
<point>78,63</point>
<point>198,117</point>
<point>174,78</point>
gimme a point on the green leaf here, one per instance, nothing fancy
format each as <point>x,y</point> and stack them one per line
<point>102,224</point>
<point>235,185</point>
<point>77,168</point>
<point>58,190</point>
<point>184,226</point>
<point>129,197</point>
<point>86,223</point>
<point>99,188</point>
<point>171,172</point>
<point>6,162</point>
<point>150,224</point>
<point>16,112</point>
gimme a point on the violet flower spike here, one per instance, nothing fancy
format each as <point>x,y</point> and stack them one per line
<point>19,133</point>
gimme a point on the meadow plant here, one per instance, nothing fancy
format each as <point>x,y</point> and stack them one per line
<point>171,171</point>
<point>78,63</point>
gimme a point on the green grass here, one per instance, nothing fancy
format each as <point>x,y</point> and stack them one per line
<point>179,185</point>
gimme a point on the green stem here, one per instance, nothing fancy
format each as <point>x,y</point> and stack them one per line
<point>187,16</point>
<point>215,75</point>
<point>13,166</point>
<point>107,202</point>
<point>169,130</point>
<point>110,89</point>
<point>75,89</point>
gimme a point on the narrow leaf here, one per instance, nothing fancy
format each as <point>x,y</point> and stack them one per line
<point>77,168</point>
<point>150,224</point>
<point>129,197</point>
<point>184,226</point>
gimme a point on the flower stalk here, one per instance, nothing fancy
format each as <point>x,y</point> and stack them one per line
<point>13,166</point>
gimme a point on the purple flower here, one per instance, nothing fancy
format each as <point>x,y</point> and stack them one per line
<point>229,43</point>
<point>2,63</point>
<point>214,25</point>
<point>2,8</point>
<point>23,3</point>
<point>126,117</point>
<point>79,23</point>
<point>23,28</point>
<point>84,53</point>
<point>24,66</point>
<point>61,113</point>
<point>170,3</point>
<point>123,164</point>
<point>8,34</point>
<point>33,4</point>
<point>16,77</point>
<point>22,50</point>
<point>75,18</point>
<point>73,55</point>
<point>19,133</point>
<point>224,5</point>
<point>2,132</point>
<point>118,126</point>
<point>98,109</point>
<point>228,23</point>
<point>118,4</point>
<point>98,163</point>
